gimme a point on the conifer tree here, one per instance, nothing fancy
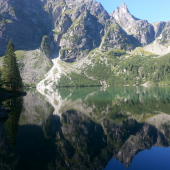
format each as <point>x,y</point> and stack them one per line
<point>11,78</point>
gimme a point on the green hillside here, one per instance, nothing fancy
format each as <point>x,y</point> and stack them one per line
<point>117,68</point>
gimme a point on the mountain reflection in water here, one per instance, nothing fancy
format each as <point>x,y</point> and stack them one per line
<point>84,128</point>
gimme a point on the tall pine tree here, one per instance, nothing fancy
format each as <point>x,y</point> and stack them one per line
<point>11,78</point>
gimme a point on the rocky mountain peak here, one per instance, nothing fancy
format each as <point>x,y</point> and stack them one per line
<point>122,14</point>
<point>124,18</point>
<point>76,19</point>
<point>124,8</point>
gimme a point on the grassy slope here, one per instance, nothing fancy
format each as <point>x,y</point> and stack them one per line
<point>31,62</point>
<point>114,68</point>
<point>117,68</point>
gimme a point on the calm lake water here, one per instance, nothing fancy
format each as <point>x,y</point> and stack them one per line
<point>95,128</point>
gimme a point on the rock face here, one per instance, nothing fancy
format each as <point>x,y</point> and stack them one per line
<point>75,27</point>
<point>83,36</point>
<point>140,29</point>
<point>61,26</point>
<point>116,38</point>
<point>161,45</point>
<point>164,36</point>
<point>33,64</point>
<point>123,17</point>
<point>25,22</point>
<point>158,27</point>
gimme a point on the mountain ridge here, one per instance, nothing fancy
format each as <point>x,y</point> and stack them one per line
<point>71,30</point>
<point>44,16</point>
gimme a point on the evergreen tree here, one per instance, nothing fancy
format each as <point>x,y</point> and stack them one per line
<point>11,78</point>
<point>45,45</point>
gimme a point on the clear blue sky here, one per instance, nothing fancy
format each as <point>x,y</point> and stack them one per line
<point>151,10</point>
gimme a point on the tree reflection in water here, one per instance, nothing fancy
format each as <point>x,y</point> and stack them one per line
<point>11,125</point>
<point>8,133</point>
<point>85,128</point>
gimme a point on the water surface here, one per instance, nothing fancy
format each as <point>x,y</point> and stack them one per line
<point>92,128</point>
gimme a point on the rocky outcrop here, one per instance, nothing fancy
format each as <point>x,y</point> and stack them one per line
<point>25,22</point>
<point>123,17</point>
<point>140,29</point>
<point>116,38</point>
<point>62,24</point>
<point>158,27</point>
<point>161,45</point>
<point>164,38</point>
<point>83,36</point>
<point>29,21</point>
<point>80,6</point>
<point>33,64</point>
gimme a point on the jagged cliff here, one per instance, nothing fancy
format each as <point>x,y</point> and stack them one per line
<point>74,26</point>
<point>25,22</point>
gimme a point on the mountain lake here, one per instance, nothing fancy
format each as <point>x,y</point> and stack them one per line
<point>87,128</point>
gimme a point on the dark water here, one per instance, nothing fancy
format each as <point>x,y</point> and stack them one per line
<point>88,129</point>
